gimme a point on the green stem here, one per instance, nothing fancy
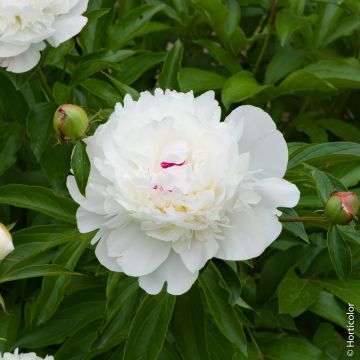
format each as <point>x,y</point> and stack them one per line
<point>45,84</point>
<point>316,219</point>
<point>268,36</point>
<point>252,337</point>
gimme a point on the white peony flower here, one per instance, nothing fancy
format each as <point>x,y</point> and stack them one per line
<point>26,24</point>
<point>171,186</point>
<point>27,356</point>
<point>6,244</point>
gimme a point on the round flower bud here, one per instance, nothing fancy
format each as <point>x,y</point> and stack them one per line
<point>70,122</point>
<point>6,244</point>
<point>342,207</point>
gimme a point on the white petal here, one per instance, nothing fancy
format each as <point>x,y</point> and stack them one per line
<point>25,61</point>
<point>179,279</point>
<point>258,135</point>
<point>207,108</point>
<point>74,190</point>
<point>65,28</point>
<point>88,221</point>
<point>10,49</point>
<point>248,235</point>
<point>276,192</point>
<point>135,252</point>
<point>198,253</point>
<point>102,254</point>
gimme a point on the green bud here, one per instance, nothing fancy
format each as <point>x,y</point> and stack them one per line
<point>342,207</point>
<point>70,122</point>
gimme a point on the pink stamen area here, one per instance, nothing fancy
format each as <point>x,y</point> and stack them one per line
<point>166,165</point>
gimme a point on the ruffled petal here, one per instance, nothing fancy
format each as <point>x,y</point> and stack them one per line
<point>136,253</point>
<point>65,28</point>
<point>248,235</point>
<point>88,221</point>
<point>179,279</point>
<point>258,136</point>
<point>276,192</point>
<point>102,254</point>
<point>198,253</point>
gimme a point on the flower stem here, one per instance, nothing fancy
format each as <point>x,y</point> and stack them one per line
<point>268,36</point>
<point>45,84</point>
<point>316,219</point>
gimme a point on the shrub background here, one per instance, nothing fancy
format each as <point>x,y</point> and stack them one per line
<point>299,61</point>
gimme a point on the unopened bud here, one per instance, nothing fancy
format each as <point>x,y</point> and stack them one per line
<point>6,244</point>
<point>70,121</point>
<point>342,207</point>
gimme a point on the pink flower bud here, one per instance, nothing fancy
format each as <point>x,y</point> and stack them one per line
<point>70,122</point>
<point>342,207</point>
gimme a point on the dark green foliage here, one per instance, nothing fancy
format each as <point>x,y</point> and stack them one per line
<point>299,61</point>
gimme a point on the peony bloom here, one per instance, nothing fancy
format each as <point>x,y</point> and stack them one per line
<point>171,186</point>
<point>26,24</point>
<point>27,356</point>
<point>6,244</point>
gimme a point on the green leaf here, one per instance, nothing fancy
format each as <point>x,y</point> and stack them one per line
<point>10,325</point>
<point>53,289</point>
<point>224,21</point>
<point>39,199</point>
<point>79,309</point>
<point>339,73</point>
<point>11,137</point>
<point>199,80</point>
<point>127,28</point>
<point>133,68</point>
<point>187,325</point>
<point>294,348</point>
<point>318,153</point>
<point>287,23</point>
<point>36,271</point>
<point>223,57</point>
<point>341,129</point>
<point>122,294</point>
<point>296,294</point>
<point>324,185</point>
<point>340,253</point>
<point>331,309</point>
<point>102,89</point>
<point>240,87</point>
<point>223,313</point>
<point>284,62</point>
<point>80,165</point>
<point>123,89</point>
<point>39,126</point>
<point>149,327</point>
<point>302,80</point>
<point>296,228</point>
<point>98,61</point>
<point>55,163</point>
<point>172,65</point>
<point>346,290</point>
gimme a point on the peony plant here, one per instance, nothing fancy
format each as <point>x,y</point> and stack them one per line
<point>171,187</point>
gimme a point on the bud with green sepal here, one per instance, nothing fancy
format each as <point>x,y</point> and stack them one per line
<point>71,122</point>
<point>342,207</point>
